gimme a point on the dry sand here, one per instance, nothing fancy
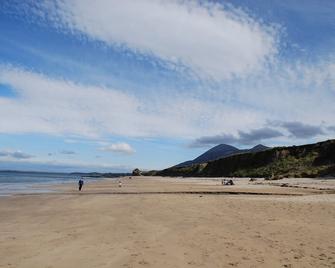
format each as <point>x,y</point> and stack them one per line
<point>155,222</point>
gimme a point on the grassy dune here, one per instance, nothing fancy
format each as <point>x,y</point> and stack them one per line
<point>312,160</point>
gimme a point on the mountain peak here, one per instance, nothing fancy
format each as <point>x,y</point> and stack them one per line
<point>258,147</point>
<point>222,146</point>
<point>221,151</point>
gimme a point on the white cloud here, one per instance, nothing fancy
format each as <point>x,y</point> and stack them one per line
<point>214,40</point>
<point>293,92</point>
<point>120,147</point>
<point>59,107</point>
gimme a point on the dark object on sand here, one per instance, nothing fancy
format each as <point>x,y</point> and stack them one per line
<point>136,172</point>
<point>227,182</point>
<point>80,184</point>
<point>274,178</point>
<point>230,182</point>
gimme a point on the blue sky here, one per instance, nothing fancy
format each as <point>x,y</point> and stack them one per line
<point>148,84</point>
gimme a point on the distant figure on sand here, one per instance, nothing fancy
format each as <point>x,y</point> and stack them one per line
<point>230,182</point>
<point>80,184</point>
<point>120,184</point>
<point>227,182</point>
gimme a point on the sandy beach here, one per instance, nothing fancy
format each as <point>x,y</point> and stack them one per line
<point>171,222</point>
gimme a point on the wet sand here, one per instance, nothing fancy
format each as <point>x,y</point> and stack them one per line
<point>156,222</point>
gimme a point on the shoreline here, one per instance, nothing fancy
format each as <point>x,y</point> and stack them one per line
<point>33,188</point>
<point>180,185</point>
<point>241,184</point>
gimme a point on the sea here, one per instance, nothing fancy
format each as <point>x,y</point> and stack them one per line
<point>16,182</point>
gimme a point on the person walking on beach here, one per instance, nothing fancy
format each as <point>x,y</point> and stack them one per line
<point>80,184</point>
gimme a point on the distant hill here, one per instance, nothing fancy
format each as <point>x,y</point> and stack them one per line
<point>257,148</point>
<point>220,151</point>
<point>311,160</point>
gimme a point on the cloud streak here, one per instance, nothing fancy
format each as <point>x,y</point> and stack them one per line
<point>15,155</point>
<point>244,137</point>
<point>213,40</point>
<point>60,107</point>
<point>300,130</point>
<point>273,130</point>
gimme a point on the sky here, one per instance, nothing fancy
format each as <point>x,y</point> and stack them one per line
<point>117,85</point>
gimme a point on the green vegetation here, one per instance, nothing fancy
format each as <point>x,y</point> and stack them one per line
<point>313,160</point>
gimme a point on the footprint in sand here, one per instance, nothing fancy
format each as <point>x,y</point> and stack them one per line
<point>322,256</point>
<point>143,262</point>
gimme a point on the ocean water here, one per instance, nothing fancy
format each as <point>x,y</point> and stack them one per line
<point>28,182</point>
